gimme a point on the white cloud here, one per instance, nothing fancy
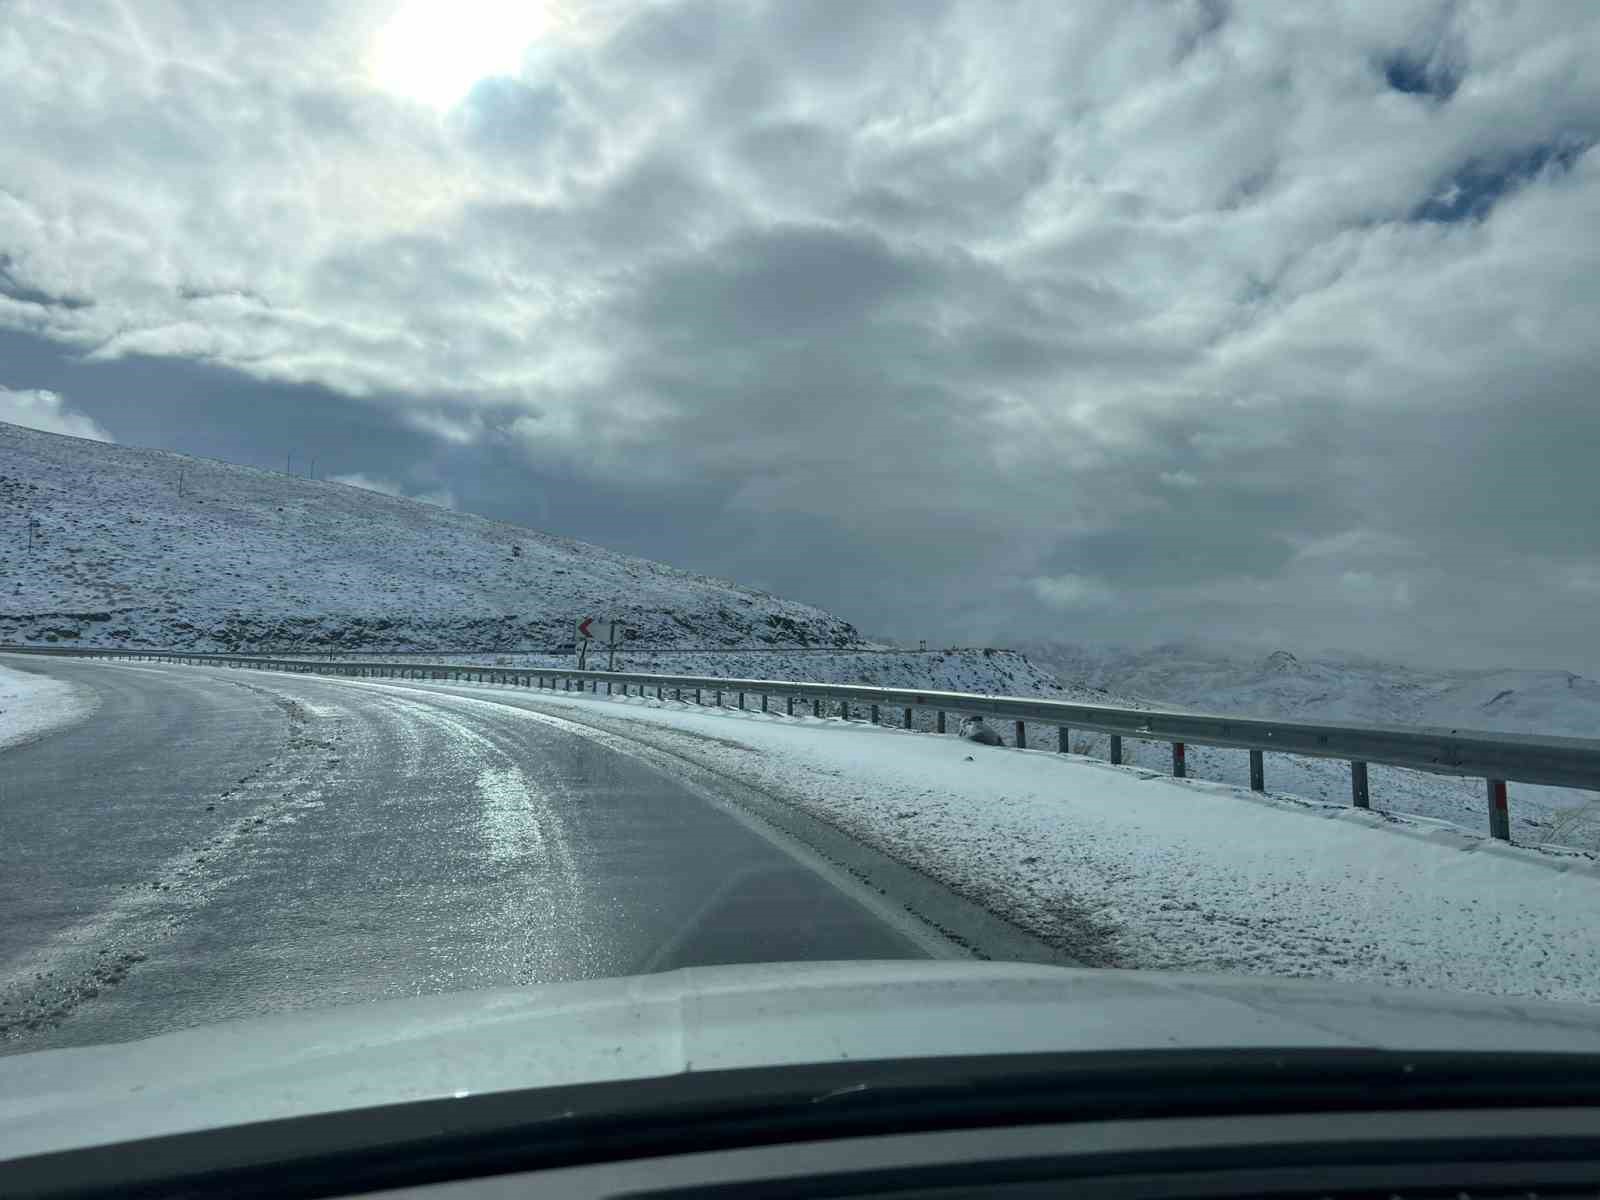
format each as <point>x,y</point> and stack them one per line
<point>1073,592</point>
<point>366,483</point>
<point>441,497</point>
<point>48,411</point>
<point>1583,578</point>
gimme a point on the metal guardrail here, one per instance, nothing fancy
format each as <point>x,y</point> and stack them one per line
<point>1494,757</point>
<point>632,648</point>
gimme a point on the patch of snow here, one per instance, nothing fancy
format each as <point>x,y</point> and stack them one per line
<point>32,706</point>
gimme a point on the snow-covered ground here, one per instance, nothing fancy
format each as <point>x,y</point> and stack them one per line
<point>1283,685</point>
<point>1131,868</point>
<point>31,705</point>
<point>243,557</point>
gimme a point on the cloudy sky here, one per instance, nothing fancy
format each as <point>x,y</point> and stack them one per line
<point>990,320</point>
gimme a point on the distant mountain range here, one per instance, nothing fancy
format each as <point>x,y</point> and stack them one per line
<point>1282,684</point>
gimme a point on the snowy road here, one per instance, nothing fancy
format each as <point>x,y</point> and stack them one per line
<point>216,844</point>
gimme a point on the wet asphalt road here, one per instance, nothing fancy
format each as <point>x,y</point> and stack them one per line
<point>214,844</point>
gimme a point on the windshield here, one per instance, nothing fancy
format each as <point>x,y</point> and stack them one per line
<point>507,494</point>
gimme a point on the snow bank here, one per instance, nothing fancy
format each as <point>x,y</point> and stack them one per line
<point>1158,873</point>
<point>31,706</point>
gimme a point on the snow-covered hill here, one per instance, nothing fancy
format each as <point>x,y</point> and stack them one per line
<point>246,558</point>
<point>1282,684</point>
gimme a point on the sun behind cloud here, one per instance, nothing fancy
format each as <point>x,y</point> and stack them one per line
<point>433,51</point>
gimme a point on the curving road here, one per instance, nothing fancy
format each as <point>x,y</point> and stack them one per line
<point>216,843</point>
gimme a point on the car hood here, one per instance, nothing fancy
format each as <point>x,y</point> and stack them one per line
<point>715,1018</point>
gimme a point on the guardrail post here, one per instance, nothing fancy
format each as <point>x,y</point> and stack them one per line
<point>719,697</point>
<point>908,718</point>
<point>816,708</point>
<point>1258,771</point>
<point>788,706</point>
<point>844,710</point>
<point>1499,810</point>
<point>1061,739</point>
<point>697,696</point>
<point>874,714</point>
<point>1022,735</point>
<point>1179,765</point>
<point>659,690</point>
<point>763,702</point>
<point>608,686</point>
<point>941,721</point>
<point>1358,785</point>
<point>741,700</point>
<point>1116,749</point>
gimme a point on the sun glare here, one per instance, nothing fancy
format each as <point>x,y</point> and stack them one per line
<point>435,50</point>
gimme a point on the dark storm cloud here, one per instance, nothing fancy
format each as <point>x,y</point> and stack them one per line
<point>972,320</point>
<point>781,283</point>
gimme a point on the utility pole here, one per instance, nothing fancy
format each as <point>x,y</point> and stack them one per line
<point>180,484</point>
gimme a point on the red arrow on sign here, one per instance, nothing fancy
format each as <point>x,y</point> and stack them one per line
<point>583,627</point>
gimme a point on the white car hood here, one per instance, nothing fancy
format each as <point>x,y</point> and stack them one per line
<point>715,1018</point>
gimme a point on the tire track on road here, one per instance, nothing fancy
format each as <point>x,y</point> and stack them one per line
<point>43,987</point>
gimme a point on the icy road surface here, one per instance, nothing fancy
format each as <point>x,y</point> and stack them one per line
<point>224,843</point>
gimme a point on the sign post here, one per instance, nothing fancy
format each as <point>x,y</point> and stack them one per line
<point>585,636</point>
<point>607,633</point>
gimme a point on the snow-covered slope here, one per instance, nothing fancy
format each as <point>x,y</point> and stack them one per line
<point>247,558</point>
<point>1282,684</point>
